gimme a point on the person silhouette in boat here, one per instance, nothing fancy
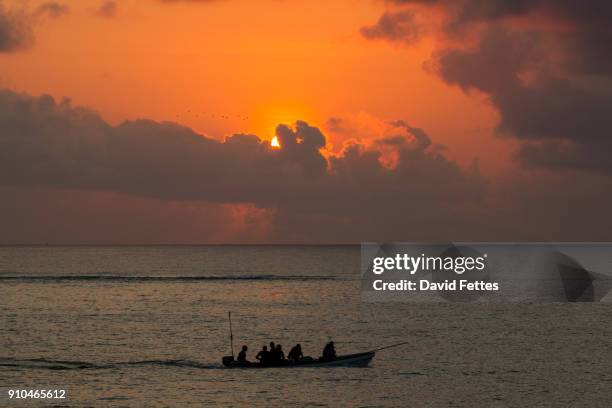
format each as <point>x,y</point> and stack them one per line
<point>263,356</point>
<point>329,352</point>
<point>272,353</point>
<point>279,354</point>
<point>242,356</point>
<point>295,354</point>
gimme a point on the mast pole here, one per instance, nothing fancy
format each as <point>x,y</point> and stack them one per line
<point>231,334</point>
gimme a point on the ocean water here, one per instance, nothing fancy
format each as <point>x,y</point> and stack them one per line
<point>147,326</point>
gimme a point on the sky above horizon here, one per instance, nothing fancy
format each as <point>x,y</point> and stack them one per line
<point>150,121</point>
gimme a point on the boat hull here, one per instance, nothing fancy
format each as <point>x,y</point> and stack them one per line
<point>349,360</point>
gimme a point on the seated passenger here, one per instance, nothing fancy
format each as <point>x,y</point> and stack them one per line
<point>272,353</point>
<point>279,355</point>
<point>329,352</point>
<point>296,353</point>
<point>263,356</point>
<point>242,355</point>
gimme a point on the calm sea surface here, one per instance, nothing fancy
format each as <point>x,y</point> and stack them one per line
<point>147,326</point>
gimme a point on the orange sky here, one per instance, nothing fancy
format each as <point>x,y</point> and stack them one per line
<point>386,73</point>
<point>244,66</point>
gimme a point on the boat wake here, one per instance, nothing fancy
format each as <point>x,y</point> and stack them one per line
<point>44,364</point>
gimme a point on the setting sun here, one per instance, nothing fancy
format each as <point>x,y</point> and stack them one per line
<point>274,142</point>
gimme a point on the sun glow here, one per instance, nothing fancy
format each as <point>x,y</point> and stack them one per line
<point>274,142</point>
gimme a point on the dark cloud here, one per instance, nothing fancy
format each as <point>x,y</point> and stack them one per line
<point>53,9</point>
<point>547,108</point>
<point>67,176</point>
<point>468,11</point>
<point>52,145</point>
<point>394,26</point>
<point>364,127</point>
<point>74,148</point>
<point>423,140</point>
<point>108,9</point>
<point>549,76</point>
<point>585,33</point>
<point>15,30</point>
<point>567,120</point>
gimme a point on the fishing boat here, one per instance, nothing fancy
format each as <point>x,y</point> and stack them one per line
<point>347,360</point>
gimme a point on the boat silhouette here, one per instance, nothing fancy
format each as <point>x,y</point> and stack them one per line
<point>348,360</point>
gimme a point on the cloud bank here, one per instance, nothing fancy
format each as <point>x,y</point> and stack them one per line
<point>52,145</point>
<point>66,163</point>
<point>544,65</point>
